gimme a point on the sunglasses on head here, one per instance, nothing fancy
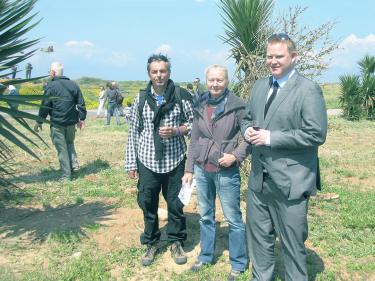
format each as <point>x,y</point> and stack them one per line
<point>279,36</point>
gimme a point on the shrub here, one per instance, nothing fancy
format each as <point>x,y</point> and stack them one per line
<point>358,93</point>
<point>350,100</point>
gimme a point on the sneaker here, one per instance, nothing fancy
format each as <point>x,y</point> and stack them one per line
<point>198,265</point>
<point>149,256</point>
<point>64,179</point>
<point>234,274</point>
<point>178,253</point>
<point>75,169</point>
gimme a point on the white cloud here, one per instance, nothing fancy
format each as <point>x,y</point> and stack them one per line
<point>83,44</point>
<point>352,49</point>
<point>118,59</point>
<point>164,49</point>
<point>80,48</point>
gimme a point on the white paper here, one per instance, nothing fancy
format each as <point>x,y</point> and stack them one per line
<point>185,193</point>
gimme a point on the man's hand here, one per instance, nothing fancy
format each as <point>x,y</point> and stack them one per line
<point>167,132</point>
<point>188,178</point>
<point>81,124</point>
<point>37,127</point>
<point>227,160</point>
<point>133,174</point>
<point>258,137</point>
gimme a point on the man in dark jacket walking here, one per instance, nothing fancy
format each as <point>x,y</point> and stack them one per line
<point>66,108</point>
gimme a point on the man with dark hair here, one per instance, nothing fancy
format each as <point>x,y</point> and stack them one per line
<point>66,109</point>
<point>286,122</point>
<point>162,115</point>
<point>113,106</point>
<point>198,88</point>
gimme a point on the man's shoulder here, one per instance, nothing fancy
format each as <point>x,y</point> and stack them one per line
<point>306,83</point>
<point>63,82</point>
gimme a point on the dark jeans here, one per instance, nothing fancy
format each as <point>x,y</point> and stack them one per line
<point>113,109</point>
<point>149,186</point>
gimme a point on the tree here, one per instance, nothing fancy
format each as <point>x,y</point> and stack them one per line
<point>15,22</point>
<point>247,27</point>
<point>367,67</point>
<point>350,99</point>
<point>358,92</point>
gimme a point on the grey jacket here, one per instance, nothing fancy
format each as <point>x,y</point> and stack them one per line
<point>208,144</point>
<point>297,121</point>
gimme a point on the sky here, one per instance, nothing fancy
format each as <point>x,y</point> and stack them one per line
<point>112,39</point>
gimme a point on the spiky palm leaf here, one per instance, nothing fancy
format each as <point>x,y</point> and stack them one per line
<point>246,25</point>
<point>368,92</point>
<point>350,99</point>
<point>367,65</point>
<point>15,22</point>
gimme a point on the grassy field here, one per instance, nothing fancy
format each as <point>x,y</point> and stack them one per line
<point>331,94</point>
<point>88,229</point>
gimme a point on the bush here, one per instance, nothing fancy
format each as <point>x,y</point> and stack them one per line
<point>350,100</point>
<point>358,93</point>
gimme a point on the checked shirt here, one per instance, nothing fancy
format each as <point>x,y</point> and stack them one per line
<point>141,145</point>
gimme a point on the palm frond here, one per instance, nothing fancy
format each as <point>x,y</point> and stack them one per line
<point>15,22</point>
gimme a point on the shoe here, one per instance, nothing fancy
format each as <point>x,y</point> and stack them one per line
<point>198,265</point>
<point>75,169</point>
<point>234,274</point>
<point>64,179</point>
<point>178,253</point>
<point>149,256</point>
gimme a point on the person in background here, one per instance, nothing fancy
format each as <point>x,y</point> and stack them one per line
<point>198,87</point>
<point>14,71</point>
<point>102,100</point>
<point>155,154</point>
<point>286,122</point>
<point>128,112</point>
<point>113,107</point>
<point>13,92</point>
<point>28,68</point>
<point>190,89</point>
<point>67,110</point>
<point>215,153</point>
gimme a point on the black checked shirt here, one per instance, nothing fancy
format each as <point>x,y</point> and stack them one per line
<point>141,145</point>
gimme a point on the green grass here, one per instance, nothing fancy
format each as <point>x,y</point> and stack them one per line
<point>51,230</point>
<point>331,95</point>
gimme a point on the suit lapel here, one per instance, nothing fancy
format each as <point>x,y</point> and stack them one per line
<point>281,96</point>
<point>262,102</point>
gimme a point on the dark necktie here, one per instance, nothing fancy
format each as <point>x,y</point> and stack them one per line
<point>275,87</point>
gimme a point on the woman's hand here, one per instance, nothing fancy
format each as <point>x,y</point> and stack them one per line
<point>227,160</point>
<point>188,178</point>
